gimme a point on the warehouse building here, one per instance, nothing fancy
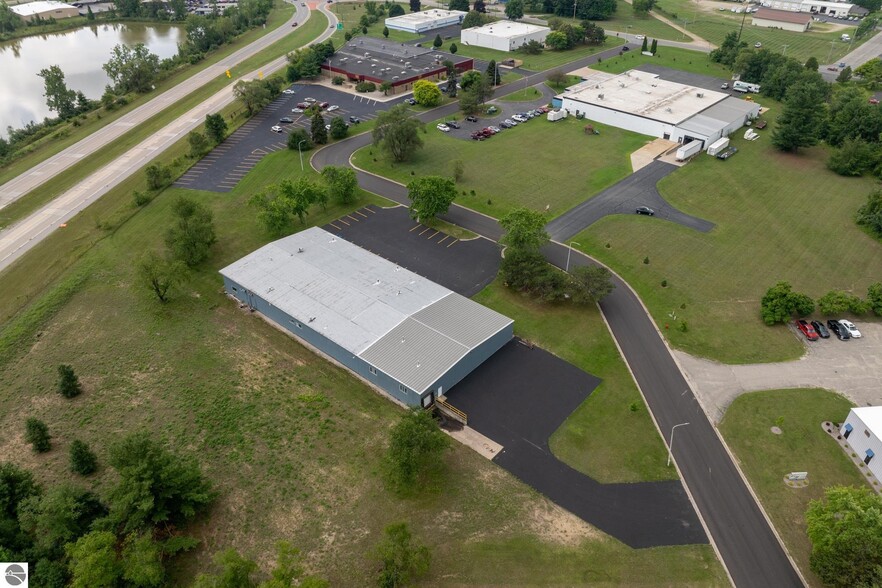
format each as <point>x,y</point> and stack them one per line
<point>782,19</point>
<point>504,35</point>
<point>641,102</point>
<point>835,9</point>
<point>863,432</point>
<point>399,331</point>
<point>45,9</point>
<point>379,60</point>
<point>427,20</point>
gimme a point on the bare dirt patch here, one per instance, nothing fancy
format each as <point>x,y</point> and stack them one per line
<point>553,524</point>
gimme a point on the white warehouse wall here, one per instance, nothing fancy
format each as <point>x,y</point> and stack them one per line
<point>860,442</point>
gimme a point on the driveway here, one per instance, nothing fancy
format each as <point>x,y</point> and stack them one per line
<point>506,110</point>
<point>852,368</point>
<point>638,189</point>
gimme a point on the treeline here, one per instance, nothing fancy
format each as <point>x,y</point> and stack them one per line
<point>780,303</point>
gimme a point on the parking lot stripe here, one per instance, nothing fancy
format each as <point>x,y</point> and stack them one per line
<point>361,213</point>
<point>369,210</point>
<point>444,239</point>
<point>414,228</point>
<point>453,242</point>
<point>426,229</point>
<point>352,217</point>
<point>335,226</point>
<point>344,222</point>
<point>433,235</point>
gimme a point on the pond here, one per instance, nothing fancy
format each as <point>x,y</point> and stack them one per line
<point>79,53</point>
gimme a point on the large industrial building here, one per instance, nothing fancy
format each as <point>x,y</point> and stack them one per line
<point>380,60</point>
<point>503,35</point>
<point>863,432</point>
<point>643,103</point>
<point>782,19</point>
<point>401,332</point>
<point>835,9</point>
<point>427,20</point>
<point>44,9</point>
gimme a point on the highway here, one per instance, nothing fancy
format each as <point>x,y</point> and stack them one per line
<point>19,238</point>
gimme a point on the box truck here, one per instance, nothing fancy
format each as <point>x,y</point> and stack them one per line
<point>688,150</point>
<point>718,146</point>
<point>740,86</point>
<point>554,115</point>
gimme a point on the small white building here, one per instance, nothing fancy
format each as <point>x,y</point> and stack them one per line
<point>45,9</point>
<point>770,18</point>
<point>504,35</point>
<point>836,9</point>
<point>427,20</point>
<point>863,432</point>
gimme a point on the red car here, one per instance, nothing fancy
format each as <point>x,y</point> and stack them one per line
<point>807,330</point>
<point>302,105</point>
<point>874,101</point>
<point>324,105</point>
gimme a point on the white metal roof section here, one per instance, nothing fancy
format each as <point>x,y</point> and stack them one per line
<point>871,417</point>
<point>506,29</point>
<point>38,7</point>
<point>644,94</point>
<point>462,320</point>
<point>348,294</point>
<point>415,19</point>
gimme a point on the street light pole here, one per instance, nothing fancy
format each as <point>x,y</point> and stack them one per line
<point>574,9</point>
<point>302,141</point>
<point>784,52</point>
<point>671,444</point>
<point>569,250</point>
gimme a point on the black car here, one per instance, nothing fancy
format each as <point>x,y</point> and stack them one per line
<point>504,125</point>
<point>286,119</point>
<point>838,329</point>
<point>472,118</point>
<point>452,124</point>
<point>354,120</point>
<point>625,48</point>
<point>410,101</point>
<point>645,210</point>
<point>820,329</point>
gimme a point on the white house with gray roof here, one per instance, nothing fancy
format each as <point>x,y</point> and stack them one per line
<point>399,331</point>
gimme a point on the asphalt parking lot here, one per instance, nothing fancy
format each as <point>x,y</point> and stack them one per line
<point>506,109</point>
<point>229,162</point>
<point>518,398</point>
<point>465,267</point>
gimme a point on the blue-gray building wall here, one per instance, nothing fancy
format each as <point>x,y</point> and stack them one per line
<point>322,343</point>
<point>472,360</point>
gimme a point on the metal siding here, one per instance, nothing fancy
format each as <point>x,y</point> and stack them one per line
<point>462,320</point>
<point>473,359</point>
<point>860,442</point>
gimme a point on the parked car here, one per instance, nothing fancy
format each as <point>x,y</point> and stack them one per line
<point>323,105</point>
<point>625,48</point>
<point>452,124</point>
<point>644,210</point>
<point>310,100</point>
<point>303,105</point>
<point>874,101</point>
<point>495,129</point>
<point>724,86</point>
<point>332,107</point>
<point>276,129</point>
<point>505,125</point>
<point>807,330</point>
<point>820,329</point>
<point>410,101</point>
<point>471,118</point>
<point>354,120</point>
<point>518,118</point>
<point>286,120</point>
<point>852,330</point>
<point>639,37</point>
<point>838,330</point>
<point>511,123</point>
<point>443,128</point>
<point>297,110</point>
<point>478,136</point>
<point>288,91</point>
<point>492,110</point>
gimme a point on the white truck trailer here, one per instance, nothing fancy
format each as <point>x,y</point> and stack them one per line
<point>718,146</point>
<point>688,150</point>
<point>558,114</point>
<point>743,87</point>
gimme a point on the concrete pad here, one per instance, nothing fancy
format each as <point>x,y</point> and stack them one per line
<point>469,437</point>
<point>650,152</point>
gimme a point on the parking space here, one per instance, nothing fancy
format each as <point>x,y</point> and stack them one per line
<point>505,110</point>
<point>688,78</point>
<point>465,267</point>
<point>519,398</point>
<point>229,162</point>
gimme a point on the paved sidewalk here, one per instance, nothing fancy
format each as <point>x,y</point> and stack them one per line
<point>852,368</point>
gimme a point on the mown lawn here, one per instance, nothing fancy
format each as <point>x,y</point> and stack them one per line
<point>545,60</point>
<point>536,164</point>
<point>767,458</point>
<point>625,21</point>
<point>292,442</point>
<point>778,216</point>
<point>604,437</point>
<point>673,57</point>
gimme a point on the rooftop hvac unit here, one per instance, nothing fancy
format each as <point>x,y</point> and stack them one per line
<point>668,109</point>
<point>404,73</point>
<point>394,77</point>
<point>600,96</point>
<point>621,84</point>
<point>700,95</point>
<point>359,61</point>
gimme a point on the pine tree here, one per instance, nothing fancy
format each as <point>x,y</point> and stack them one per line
<point>37,434</point>
<point>318,131</point>
<point>437,42</point>
<point>82,459</point>
<point>654,47</point>
<point>645,46</point>
<point>68,382</point>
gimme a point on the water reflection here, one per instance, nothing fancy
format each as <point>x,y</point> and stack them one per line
<point>79,53</point>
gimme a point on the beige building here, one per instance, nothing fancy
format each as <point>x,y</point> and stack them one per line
<point>45,9</point>
<point>782,19</point>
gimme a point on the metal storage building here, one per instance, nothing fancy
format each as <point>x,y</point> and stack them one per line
<point>402,333</point>
<point>863,431</point>
<point>503,35</point>
<point>427,20</point>
<point>782,19</point>
<point>45,9</point>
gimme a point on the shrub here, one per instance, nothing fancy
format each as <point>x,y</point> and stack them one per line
<point>337,80</point>
<point>141,198</point>
<point>837,302</point>
<point>82,460</point>
<point>37,434</point>
<point>68,382</point>
<point>299,137</point>
<point>874,298</point>
<point>365,87</point>
<point>780,303</point>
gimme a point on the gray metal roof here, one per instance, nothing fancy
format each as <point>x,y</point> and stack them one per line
<point>367,305</point>
<point>719,116</point>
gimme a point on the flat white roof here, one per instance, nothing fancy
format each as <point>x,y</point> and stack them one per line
<point>38,7</point>
<point>425,17</point>
<point>507,29</point>
<point>871,416</point>
<point>643,94</point>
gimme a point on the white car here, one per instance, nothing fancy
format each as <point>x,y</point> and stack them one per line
<point>852,330</point>
<point>519,118</point>
<point>288,91</point>
<point>639,37</point>
<point>276,129</point>
<point>297,110</point>
<point>310,100</point>
<point>443,128</point>
<point>333,107</point>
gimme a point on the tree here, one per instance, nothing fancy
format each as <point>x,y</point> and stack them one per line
<point>645,46</point>
<point>199,144</point>
<point>60,516</point>
<point>155,486</point>
<point>802,118</point>
<point>191,236</point>
<point>386,32</point>
<point>158,176</point>
<point>452,78</point>
<point>385,87</point>
<point>179,9</point>
<point>453,48</point>
<point>493,72</point>
<point>402,560</point>
<point>780,303</point>
<point>132,69</point>
<point>416,445</point>
<point>811,64</point>
<point>557,78</point>
<point>159,274</point>
<point>93,561</point>
<point>514,9</point>
<point>215,127</point>
<point>838,301</point>
<point>299,140</point>
<point>83,460</point>
<point>641,7</point>
<point>590,284</point>
<point>729,50</point>
<point>844,75</point>
<point>475,19</point>
<point>9,21</point>
<point>478,84</point>
<point>142,561</point>
<point>437,42</point>
<point>868,23</point>
<point>339,128</point>
<point>68,382</point>
<point>524,229</point>
<point>397,10</point>
<point>253,94</point>
<point>594,35</point>
<point>557,40</point>
<point>16,485</point>
<point>462,5</point>
<point>415,5</point>
<point>874,298</point>
<point>870,72</point>
<point>845,529</point>
<point>426,93</point>
<point>318,132</point>
<point>59,97</point>
<point>342,183</point>
<point>480,6</point>
<point>430,196</point>
<point>458,169</point>
<point>396,132</point>
<point>280,204</point>
<point>854,158</point>
<point>235,572</point>
<point>870,214</point>
<point>852,116</point>
<point>654,47</point>
<point>37,434</point>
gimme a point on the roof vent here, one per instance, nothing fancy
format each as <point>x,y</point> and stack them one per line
<point>600,96</point>
<point>300,250</point>
<point>700,95</point>
<point>377,283</point>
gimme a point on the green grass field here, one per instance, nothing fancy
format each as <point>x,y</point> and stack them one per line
<point>625,21</point>
<point>523,166</point>
<point>292,442</point>
<point>541,62</point>
<point>778,217</point>
<point>673,57</point>
<point>349,13</point>
<point>767,458</point>
<point>526,95</point>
